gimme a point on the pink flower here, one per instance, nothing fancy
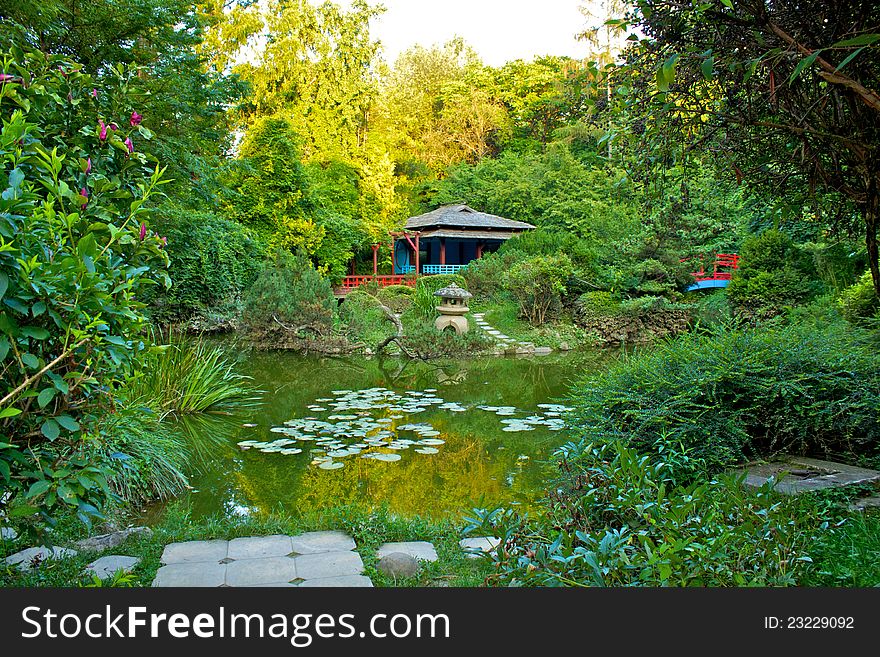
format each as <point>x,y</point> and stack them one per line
<point>94,93</point>
<point>114,127</point>
<point>135,119</point>
<point>129,145</point>
<point>88,166</point>
<point>102,135</point>
<point>83,192</point>
<point>164,242</point>
<point>143,232</point>
<point>5,77</point>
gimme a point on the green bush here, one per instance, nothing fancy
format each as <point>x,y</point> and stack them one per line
<point>485,277</point>
<point>538,284</point>
<point>213,261</point>
<point>289,293</point>
<point>715,400</point>
<point>362,318</point>
<point>397,297</point>
<point>613,520</point>
<point>859,302</point>
<point>774,274</point>
<point>76,255</point>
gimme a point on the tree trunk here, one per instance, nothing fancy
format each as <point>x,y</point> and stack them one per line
<point>872,217</point>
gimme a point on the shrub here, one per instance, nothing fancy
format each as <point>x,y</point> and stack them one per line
<point>362,318</point>
<point>291,293</point>
<point>213,261</point>
<point>538,284</point>
<point>718,399</point>
<point>397,297</point>
<point>75,257</point>
<point>614,520</point>
<point>774,274</point>
<point>427,342</point>
<point>859,302</point>
<point>485,277</point>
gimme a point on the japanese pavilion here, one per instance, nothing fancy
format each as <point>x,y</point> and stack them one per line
<point>439,242</point>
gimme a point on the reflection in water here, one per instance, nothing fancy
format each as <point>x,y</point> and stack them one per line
<point>479,461</point>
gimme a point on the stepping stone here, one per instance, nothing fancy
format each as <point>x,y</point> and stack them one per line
<point>418,549</point>
<point>195,552</point>
<point>111,540</point>
<point>799,474</point>
<point>258,547</point>
<point>501,336</point>
<point>493,332</point>
<point>316,542</point>
<point>348,581</point>
<point>199,574</point>
<point>866,503</point>
<point>105,567</point>
<point>543,351</point>
<point>475,547</point>
<point>251,572</point>
<point>8,534</point>
<point>328,564</point>
<point>30,557</point>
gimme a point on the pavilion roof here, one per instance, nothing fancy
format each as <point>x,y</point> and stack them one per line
<point>463,217</point>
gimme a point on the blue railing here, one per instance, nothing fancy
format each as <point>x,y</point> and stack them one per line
<point>442,269</point>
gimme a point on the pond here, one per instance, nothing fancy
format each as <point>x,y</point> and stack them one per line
<point>428,439</point>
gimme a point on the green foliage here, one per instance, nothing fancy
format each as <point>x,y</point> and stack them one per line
<point>848,554</point>
<point>538,284</point>
<point>615,520</point>
<point>427,342</point>
<point>719,399</point>
<point>213,260</point>
<point>858,303</point>
<point>485,277</point>
<point>73,265</point>
<point>774,274</point>
<point>289,292</point>
<point>362,318</point>
<point>185,376</point>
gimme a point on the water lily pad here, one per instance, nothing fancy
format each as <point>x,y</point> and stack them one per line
<point>387,457</point>
<point>427,450</point>
<point>331,465</point>
<point>432,441</point>
<point>290,451</point>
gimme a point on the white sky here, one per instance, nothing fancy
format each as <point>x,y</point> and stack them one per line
<point>499,30</point>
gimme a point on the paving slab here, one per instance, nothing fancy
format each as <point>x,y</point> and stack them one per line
<point>8,534</point>
<point>478,545</point>
<point>316,542</point>
<point>348,581</point>
<point>105,567</point>
<point>195,552</point>
<point>29,557</point>
<point>198,574</point>
<point>417,549</point>
<point>328,564</point>
<point>256,547</point>
<point>250,572</point>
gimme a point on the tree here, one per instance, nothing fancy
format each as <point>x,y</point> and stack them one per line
<point>784,92</point>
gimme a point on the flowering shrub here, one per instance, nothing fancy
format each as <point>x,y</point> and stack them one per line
<point>75,253</point>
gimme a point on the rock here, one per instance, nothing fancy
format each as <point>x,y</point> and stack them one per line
<point>8,534</point>
<point>32,557</point>
<point>543,351</point>
<point>111,540</point>
<point>105,567</point>
<point>398,564</point>
<point>475,547</point>
<point>564,346</point>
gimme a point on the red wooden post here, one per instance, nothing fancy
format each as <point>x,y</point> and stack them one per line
<point>418,271</point>
<point>479,251</point>
<point>375,259</point>
<point>442,250</point>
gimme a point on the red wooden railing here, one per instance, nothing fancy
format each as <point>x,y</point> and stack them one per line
<point>351,282</point>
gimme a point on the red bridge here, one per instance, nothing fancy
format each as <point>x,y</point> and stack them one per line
<point>718,276</point>
<point>351,282</point>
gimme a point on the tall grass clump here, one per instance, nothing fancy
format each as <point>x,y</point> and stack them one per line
<point>708,401</point>
<point>190,375</point>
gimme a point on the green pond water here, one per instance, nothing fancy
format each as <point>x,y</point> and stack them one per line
<point>429,439</point>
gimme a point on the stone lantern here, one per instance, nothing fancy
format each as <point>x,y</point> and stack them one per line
<point>453,308</point>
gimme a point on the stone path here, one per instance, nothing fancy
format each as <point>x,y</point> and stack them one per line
<point>313,559</point>
<point>508,344</point>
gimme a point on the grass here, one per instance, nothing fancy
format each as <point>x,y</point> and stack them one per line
<point>503,315</point>
<point>369,529</point>
<point>186,376</point>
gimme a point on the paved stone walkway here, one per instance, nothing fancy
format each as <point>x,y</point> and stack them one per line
<point>508,344</point>
<point>313,559</point>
